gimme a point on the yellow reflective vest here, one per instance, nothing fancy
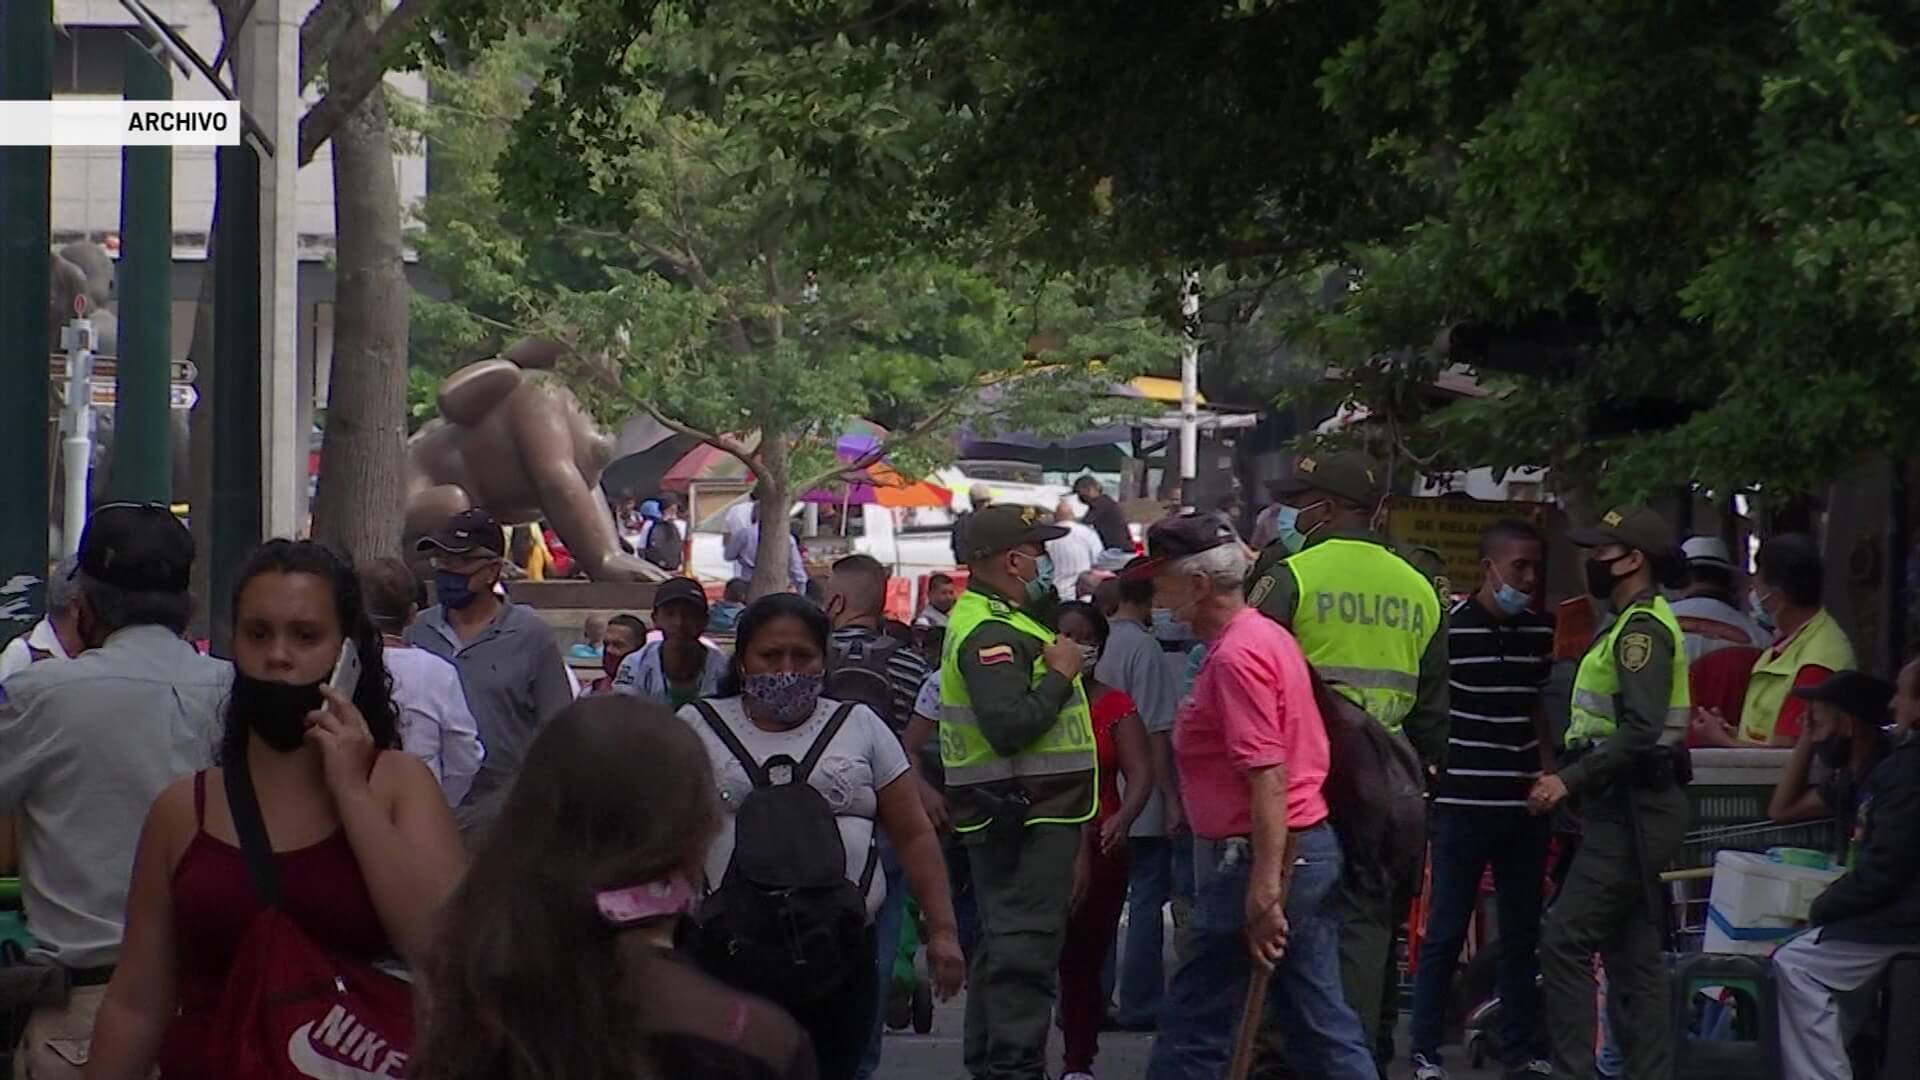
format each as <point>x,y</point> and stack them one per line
<point>1065,753</point>
<point>1596,687</point>
<point>1364,620</point>
<point>1821,643</point>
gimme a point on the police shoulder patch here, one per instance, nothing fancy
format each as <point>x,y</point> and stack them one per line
<point>996,654</point>
<point>1635,651</point>
<point>1260,591</point>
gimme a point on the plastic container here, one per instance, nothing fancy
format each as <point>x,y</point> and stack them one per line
<point>1799,856</point>
<point>1757,903</point>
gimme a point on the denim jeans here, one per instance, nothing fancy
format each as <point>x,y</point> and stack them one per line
<point>1143,977</point>
<point>1305,998</point>
<point>886,935</point>
<point>1465,842</point>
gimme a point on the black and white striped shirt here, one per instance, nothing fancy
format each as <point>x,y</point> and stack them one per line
<point>1498,669</point>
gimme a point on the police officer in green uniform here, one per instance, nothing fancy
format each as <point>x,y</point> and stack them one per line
<point>1371,625</point>
<point>1624,771</point>
<point>1016,741</point>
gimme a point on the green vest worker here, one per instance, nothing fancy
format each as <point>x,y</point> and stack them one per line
<point>1629,715</point>
<point>1371,625</point>
<point>1017,744</point>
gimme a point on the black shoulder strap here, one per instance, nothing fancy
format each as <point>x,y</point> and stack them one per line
<point>873,863</point>
<point>732,742</point>
<point>251,829</point>
<point>820,742</point>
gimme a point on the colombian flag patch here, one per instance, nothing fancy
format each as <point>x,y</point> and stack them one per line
<point>997,654</point>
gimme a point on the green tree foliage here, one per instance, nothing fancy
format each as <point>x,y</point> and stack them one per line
<point>1677,238</point>
<point>725,215</point>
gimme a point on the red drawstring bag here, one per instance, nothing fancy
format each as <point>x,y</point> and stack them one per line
<point>292,1010</point>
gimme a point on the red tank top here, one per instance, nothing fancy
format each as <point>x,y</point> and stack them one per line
<point>214,904</point>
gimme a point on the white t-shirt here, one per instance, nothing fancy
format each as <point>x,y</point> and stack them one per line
<point>1073,554</point>
<point>863,758</point>
<point>19,652</point>
<point>435,723</point>
<point>641,675</point>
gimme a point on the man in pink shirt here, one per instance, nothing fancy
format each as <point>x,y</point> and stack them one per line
<point>1252,756</point>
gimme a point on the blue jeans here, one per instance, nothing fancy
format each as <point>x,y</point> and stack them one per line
<point>886,934</point>
<point>1465,842</point>
<point>1608,1061</point>
<point>1305,999</point>
<point>1143,977</point>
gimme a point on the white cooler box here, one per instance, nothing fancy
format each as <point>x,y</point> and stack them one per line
<point>1758,903</point>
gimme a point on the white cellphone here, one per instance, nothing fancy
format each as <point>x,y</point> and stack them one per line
<point>346,670</point>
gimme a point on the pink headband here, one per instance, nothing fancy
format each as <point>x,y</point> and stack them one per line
<point>649,900</point>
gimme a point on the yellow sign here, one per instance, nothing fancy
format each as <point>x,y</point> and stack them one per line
<point>1452,527</point>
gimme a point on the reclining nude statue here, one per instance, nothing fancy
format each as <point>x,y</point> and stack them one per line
<point>513,439</point>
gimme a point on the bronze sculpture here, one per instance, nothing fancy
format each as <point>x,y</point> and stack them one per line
<point>513,439</point>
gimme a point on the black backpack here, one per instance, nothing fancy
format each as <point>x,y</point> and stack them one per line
<point>785,922</point>
<point>857,671</point>
<point>1376,797</point>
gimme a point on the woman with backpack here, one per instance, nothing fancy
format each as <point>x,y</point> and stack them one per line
<point>1100,871</point>
<point>803,781</point>
<point>317,845</point>
<point>558,959</point>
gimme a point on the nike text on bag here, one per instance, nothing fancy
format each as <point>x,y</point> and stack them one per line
<point>1375,797</point>
<point>785,922</point>
<point>291,1009</point>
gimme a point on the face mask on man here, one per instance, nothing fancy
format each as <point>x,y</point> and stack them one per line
<point>1286,524</point>
<point>275,711</point>
<point>1757,606</point>
<point>1040,586</point>
<point>1509,600</point>
<point>1834,750</point>
<point>454,589</point>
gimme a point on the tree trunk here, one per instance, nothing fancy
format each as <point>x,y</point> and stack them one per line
<point>359,505</point>
<point>770,557</point>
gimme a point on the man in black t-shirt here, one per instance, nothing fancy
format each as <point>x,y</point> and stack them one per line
<point>1104,515</point>
<point>1500,653</point>
<point>1842,732</point>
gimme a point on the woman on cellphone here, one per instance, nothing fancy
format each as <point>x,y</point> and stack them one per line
<point>1100,872</point>
<point>363,843</point>
<point>559,958</point>
<point>791,912</point>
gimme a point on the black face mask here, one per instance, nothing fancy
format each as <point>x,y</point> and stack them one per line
<point>1834,750</point>
<point>275,711</point>
<point>1600,577</point>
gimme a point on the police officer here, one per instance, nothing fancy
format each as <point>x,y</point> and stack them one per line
<point>1370,624</point>
<point>1016,740</point>
<point>1629,715</point>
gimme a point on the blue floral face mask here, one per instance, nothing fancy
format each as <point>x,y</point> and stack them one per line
<point>783,698</point>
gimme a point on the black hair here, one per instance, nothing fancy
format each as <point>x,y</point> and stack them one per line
<point>1084,479</point>
<point>1086,611</point>
<point>1507,531</point>
<point>862,564</point>
<point>632,622</point>
<point>934,581</point>
<point>1136,592</point>
<point>386,586</point>
<point>112,608</point>
<point>1791,563</point>
<point>736,590</point>
<point>756,618</point>
<point>374,695</point>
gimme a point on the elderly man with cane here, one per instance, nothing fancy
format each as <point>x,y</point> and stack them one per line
<point>1252,754</point>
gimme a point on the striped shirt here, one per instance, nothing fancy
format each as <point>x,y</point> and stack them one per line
<point>1498,670</point>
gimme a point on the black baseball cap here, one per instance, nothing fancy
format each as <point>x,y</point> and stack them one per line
<point>1349,475</point>
<point>1856,693</point>
<point>1004,527</point>
<point>1637,527</point>
<point>1177,538</point>
<point>469,532</point>
<point>140,547</point>
<point>679,590</point>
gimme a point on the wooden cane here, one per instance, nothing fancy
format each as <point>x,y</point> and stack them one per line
<point>1246,1044</point>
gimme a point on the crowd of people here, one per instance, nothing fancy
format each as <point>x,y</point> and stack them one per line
<point>704,861</point>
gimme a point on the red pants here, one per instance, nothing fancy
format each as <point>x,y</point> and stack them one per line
<point>1090,931</point>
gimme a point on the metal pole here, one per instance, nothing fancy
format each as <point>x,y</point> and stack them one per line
<point>142,421</point>
<point>77,421</point>
<point>1190,377</point>
<point>26,74</point>
<point>236,516</point>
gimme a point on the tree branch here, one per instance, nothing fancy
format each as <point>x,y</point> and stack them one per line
<point>721,442</point>
<point>349,87</point>
<point>319,32</point>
